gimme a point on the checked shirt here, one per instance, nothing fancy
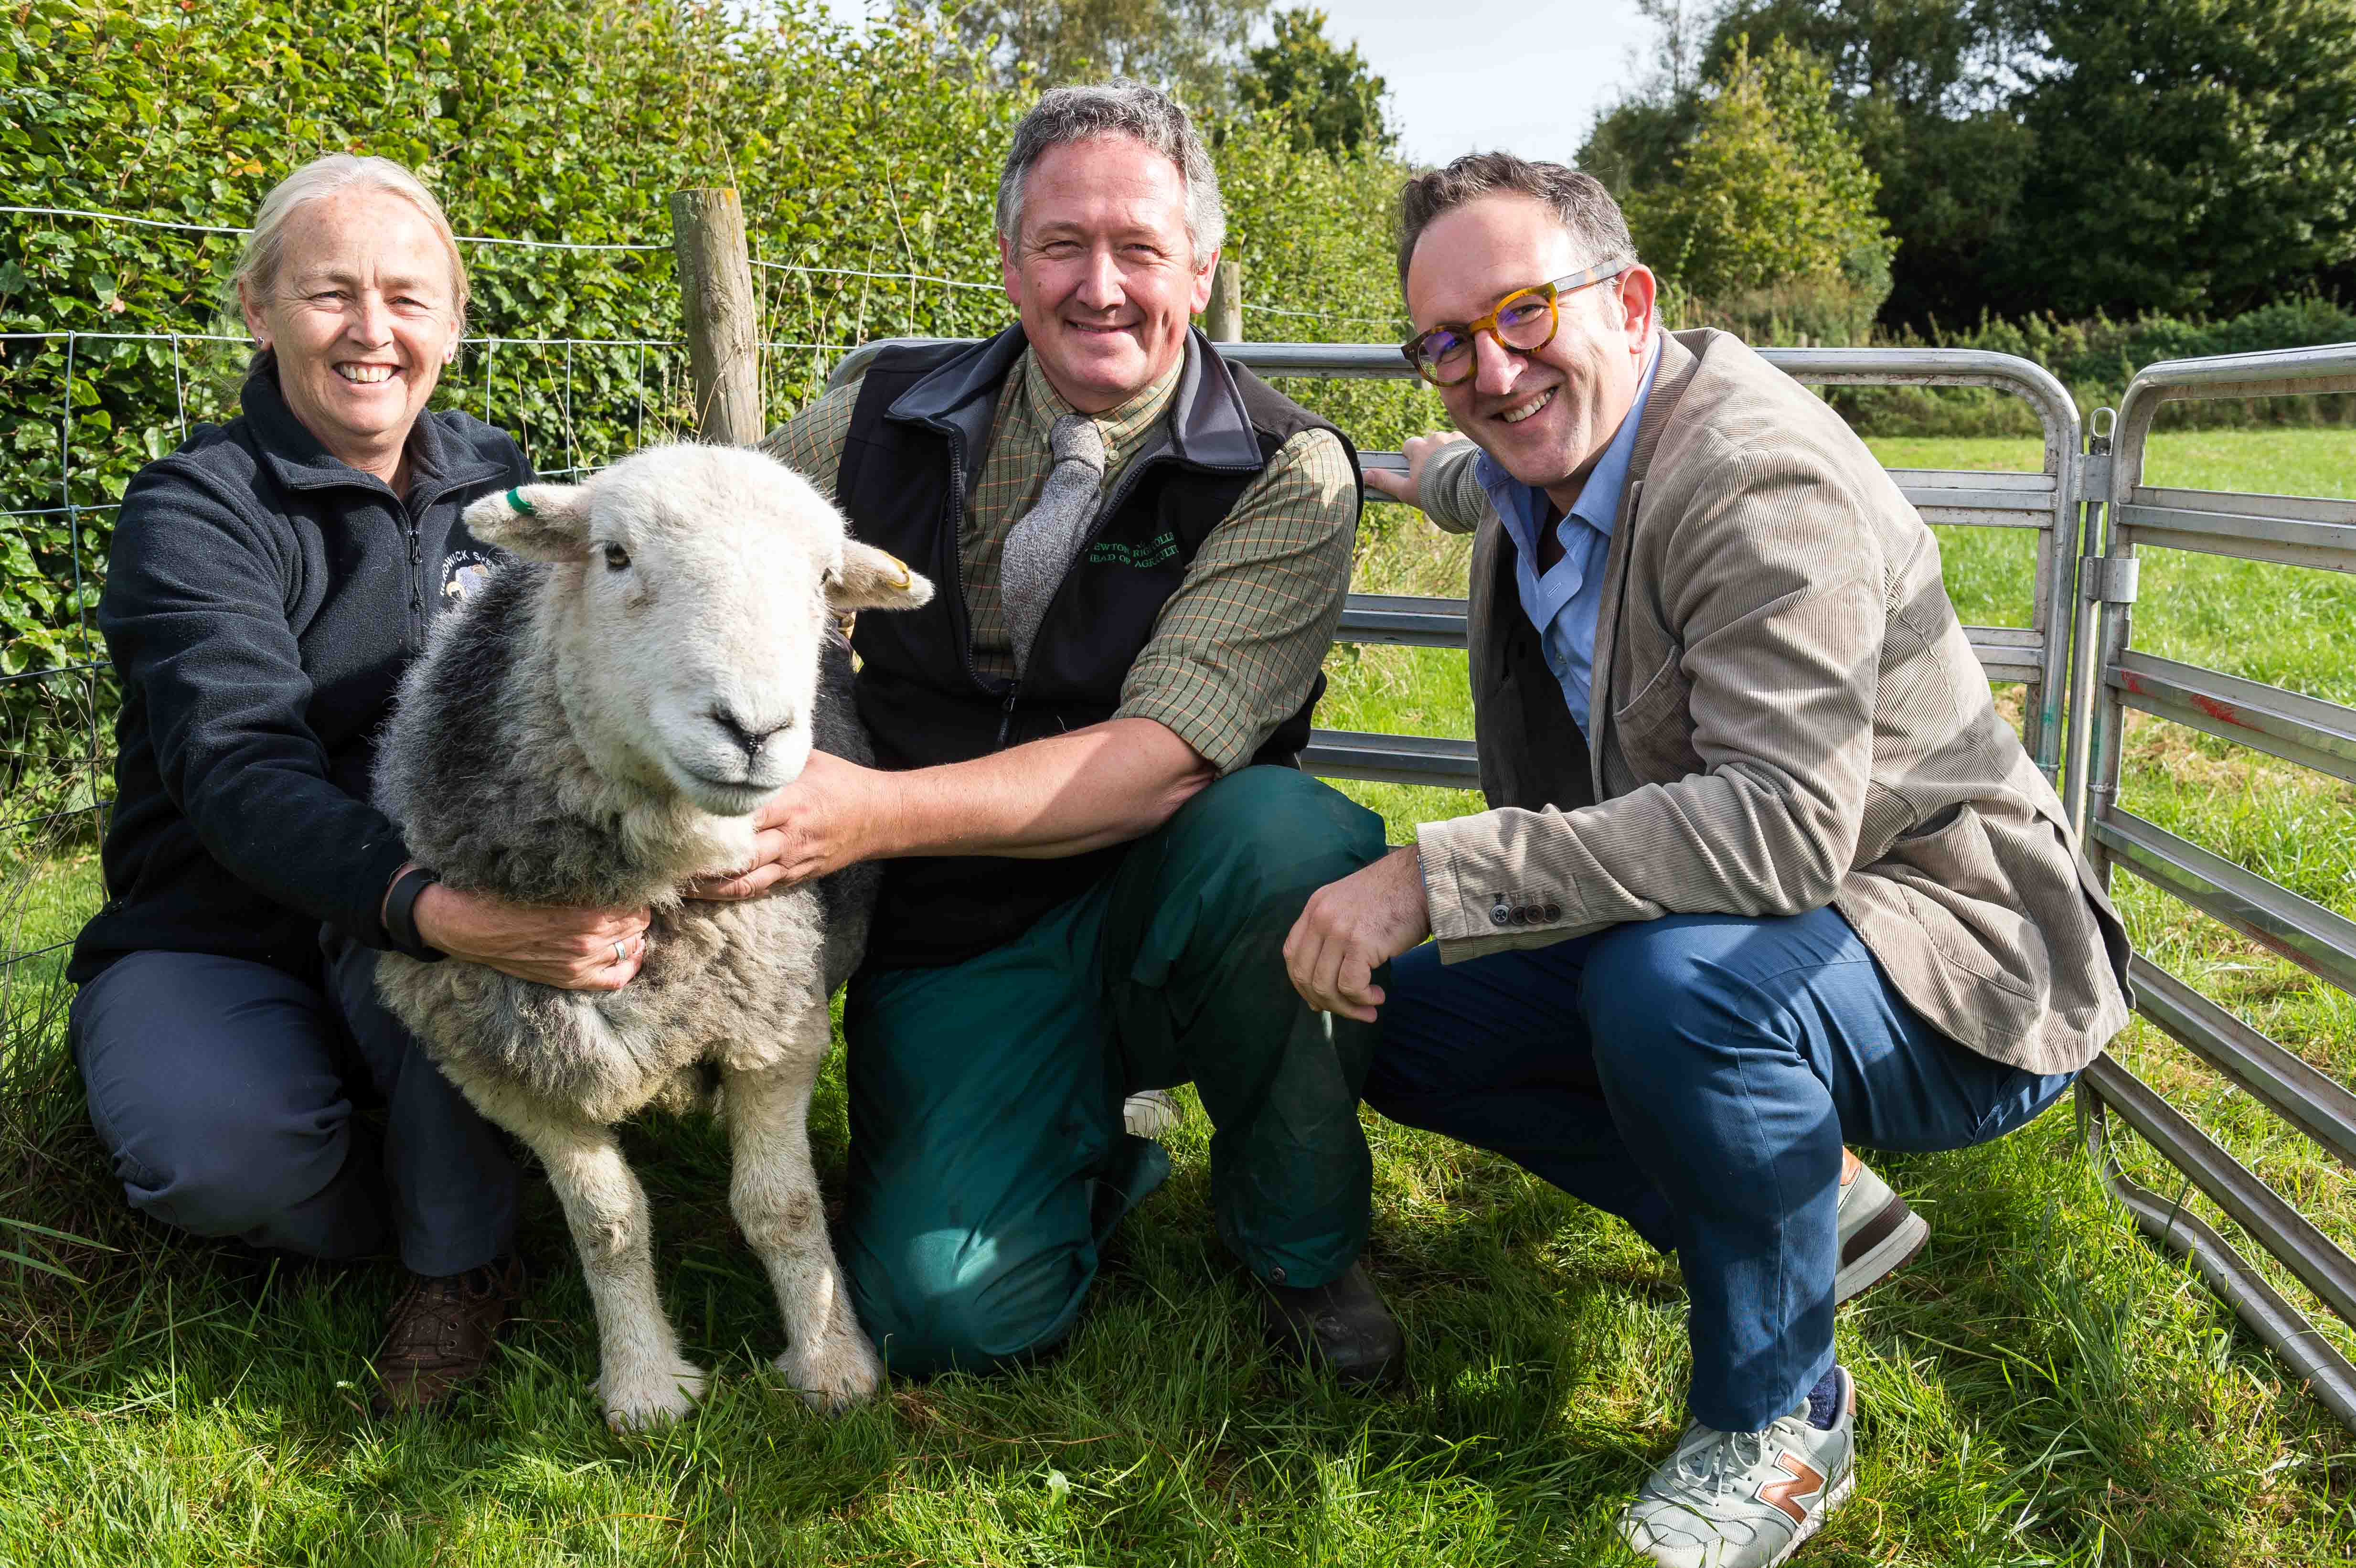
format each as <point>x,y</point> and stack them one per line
<point>1236,647</point>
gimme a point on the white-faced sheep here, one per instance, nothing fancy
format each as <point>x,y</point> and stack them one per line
<point>595,726</point>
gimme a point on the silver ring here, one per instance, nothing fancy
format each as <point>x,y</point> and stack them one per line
<point>621,955</point>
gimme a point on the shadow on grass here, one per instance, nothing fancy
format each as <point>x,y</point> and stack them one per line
<point>2039,1388</point>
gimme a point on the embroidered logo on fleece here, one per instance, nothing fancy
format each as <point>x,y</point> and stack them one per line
<point>1153,552</point>
<point>463,572</point>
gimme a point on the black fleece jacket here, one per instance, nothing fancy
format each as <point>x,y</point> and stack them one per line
<point>261,601</point>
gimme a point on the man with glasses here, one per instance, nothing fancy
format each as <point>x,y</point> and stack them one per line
<point>1763,868</point>
<point>1142,554</point>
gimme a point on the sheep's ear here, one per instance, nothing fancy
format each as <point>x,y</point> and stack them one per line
<point>539,523</point>
<point>871,580</point>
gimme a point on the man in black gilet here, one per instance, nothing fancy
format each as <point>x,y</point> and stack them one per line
<point>1093,834</point>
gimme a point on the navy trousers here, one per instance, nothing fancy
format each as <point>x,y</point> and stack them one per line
<point>1696,1076</point>
<point>225,1089</point>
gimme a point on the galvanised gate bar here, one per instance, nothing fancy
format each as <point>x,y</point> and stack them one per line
<point>2036,655</point>
<point>2288,531</point>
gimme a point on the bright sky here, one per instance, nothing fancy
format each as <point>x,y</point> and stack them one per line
<point>1479,75</point>
<point>1528,76</point>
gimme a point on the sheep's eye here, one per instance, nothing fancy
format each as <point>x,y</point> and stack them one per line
<point>617,558</point>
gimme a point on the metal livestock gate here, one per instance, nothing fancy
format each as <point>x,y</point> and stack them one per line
<point>2081,675</point>
<point>2036,655</point>
<point>2112,678</point>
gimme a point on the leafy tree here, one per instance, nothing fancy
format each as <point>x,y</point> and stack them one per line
<point>2183,155</point>
<point>2191,155</point>
<point>531,119</point>
<point>1926,88</point>
<point>1951,195</point>
<point>1924,85</point>
<point>1948,56</point>
<point>1770,191</point>
<point>1634,144</point>
<point>1329,96</point>
<point>1193,48</point>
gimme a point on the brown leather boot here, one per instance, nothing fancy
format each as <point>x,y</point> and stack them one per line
<point>441,1333</point>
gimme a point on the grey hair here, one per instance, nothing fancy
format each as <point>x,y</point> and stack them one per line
<point>1577,200</point>
<point>1120,107</point>
<point>266,248</point>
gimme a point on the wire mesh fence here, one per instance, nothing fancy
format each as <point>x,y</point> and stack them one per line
<point>571,349</point>
<point>81,411</point>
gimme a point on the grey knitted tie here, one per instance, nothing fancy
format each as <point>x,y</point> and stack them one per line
<point>1039,546</point>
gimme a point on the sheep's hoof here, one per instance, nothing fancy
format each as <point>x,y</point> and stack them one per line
<point>653,1398</point>
<point>839,1372</point>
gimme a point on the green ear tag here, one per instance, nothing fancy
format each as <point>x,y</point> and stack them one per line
<point>515,500</point>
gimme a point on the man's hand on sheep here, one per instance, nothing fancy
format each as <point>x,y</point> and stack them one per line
<point>1353,926</point>
<point>827,819</point>
<point>1068,794</point>
<point>576,949</point>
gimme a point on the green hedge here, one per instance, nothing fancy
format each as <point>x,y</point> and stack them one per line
<point>862,152</point>
<point>856,152</point>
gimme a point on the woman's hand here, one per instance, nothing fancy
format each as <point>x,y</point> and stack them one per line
<point>576,950</point>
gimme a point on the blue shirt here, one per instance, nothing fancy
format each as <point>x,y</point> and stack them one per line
<point>1564,603</point>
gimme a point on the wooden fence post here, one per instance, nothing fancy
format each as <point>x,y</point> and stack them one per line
<point>715,289</point>
<point>1223,320</point>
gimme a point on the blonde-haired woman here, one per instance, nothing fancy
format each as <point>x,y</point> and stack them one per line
<point>268,583</point>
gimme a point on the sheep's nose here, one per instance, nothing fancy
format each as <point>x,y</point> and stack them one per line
<point>749,739</point>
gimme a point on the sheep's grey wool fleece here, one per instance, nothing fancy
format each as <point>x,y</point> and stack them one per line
<point>486,778</point>
<point>1039,546</point>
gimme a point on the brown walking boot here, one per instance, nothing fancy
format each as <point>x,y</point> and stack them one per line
<point>441,1333</point>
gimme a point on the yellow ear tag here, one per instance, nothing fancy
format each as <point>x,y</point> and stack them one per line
<point>900,563</point>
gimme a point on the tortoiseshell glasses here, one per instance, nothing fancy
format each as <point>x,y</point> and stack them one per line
<point>1525,320</point>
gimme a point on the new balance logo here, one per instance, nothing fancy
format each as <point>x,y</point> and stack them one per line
<point>1806,1481</point>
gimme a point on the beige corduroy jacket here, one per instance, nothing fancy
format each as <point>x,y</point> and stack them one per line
<point>1787,714</point>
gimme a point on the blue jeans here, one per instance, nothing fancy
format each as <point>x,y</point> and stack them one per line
<point>1696,1076</point>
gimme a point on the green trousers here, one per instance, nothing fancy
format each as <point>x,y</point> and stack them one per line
<point>988,1161</point>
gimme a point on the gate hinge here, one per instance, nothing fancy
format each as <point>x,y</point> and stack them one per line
<point>2109,579</point>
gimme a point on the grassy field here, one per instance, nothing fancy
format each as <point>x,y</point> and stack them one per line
<point>2041,1388</point>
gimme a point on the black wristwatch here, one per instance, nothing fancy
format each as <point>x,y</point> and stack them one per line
<point>401,914</point>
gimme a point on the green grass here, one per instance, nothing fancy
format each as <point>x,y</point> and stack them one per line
<point>2283,625</point>
<point>2041,1388</point>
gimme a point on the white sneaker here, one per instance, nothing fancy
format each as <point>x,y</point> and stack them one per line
<point>1878,1234</point>
<point>1746,1499</point>
<point>1149,1113</point>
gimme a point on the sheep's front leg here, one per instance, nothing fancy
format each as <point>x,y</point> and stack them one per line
<point>775,1193</point>
<point>642,1378</point>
